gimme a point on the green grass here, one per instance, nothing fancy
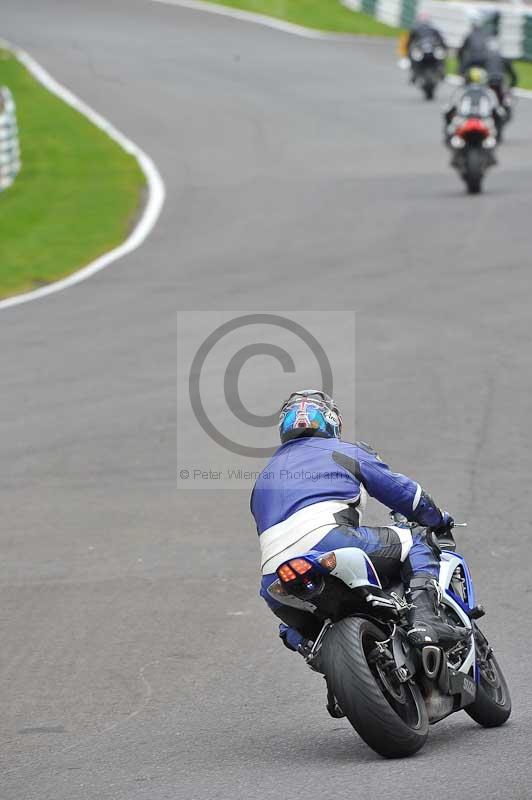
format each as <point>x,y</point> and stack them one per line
<point>76,197</point>
<point>522,68</point>
<point>325,15</point>
<point>524,74</point>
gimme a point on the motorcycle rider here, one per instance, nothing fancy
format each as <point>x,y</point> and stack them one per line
<point>475,99</point>
<point>474,48</point>
<point>481,49</point>
<point>312,494</point>
<point>423,30</point>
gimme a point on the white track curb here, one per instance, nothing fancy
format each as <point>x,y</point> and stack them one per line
<point>269,22</point>
<point>258,19</point>
<point>156,190</point>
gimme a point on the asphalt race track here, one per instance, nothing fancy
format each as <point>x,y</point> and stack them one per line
<point>137,659</point>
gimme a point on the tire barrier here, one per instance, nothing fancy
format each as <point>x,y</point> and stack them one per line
<point>512,25</point>
<point>9,142</point>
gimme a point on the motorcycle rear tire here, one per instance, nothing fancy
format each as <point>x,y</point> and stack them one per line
<point>362,695</point>
<point>473,173</point>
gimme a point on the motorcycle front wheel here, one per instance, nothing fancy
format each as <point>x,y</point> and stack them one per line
<point>493,704</point>
<point>388,715</point>
<point>429,87</point>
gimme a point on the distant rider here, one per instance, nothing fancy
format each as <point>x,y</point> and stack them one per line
<point>423,31</point>
<point>474,48</point>
<point>312,494</point>
<point>474,99</point>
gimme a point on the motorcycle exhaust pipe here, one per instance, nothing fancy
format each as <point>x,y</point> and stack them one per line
<point>431,660</point>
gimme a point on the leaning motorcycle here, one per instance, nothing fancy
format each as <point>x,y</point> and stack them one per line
<point>473,146</point>
<point>428,66</point>
<point>389,690</point>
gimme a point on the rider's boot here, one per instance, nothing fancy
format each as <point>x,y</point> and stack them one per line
<point>427,626</point>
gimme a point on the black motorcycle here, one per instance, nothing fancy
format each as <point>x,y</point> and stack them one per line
<point>427,60</point>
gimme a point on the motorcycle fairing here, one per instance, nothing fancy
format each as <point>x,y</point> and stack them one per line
<point>448,564</point>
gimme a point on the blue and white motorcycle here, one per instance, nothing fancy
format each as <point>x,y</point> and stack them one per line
<point>389,691</point>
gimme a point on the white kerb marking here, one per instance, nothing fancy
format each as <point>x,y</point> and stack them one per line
<point>258,19</point>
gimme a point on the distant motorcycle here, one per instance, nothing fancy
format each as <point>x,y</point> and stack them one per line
<point>427,60</point>
<point>389,691</point>
<point>471,133</point>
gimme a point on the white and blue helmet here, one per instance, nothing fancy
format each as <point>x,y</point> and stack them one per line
<point>309,412</point>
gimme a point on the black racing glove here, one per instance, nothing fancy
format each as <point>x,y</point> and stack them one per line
<point>441,531</point>
<point>446,525</point>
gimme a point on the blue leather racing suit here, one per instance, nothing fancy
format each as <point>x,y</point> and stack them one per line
<point>311,496</point>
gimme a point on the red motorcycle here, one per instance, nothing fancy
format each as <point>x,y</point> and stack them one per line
<point>473,145</point>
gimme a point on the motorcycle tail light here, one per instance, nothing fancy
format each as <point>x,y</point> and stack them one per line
<point>328,561</point>
<point>295,568</point>
<point>300,578</point>
<point>300,565</point>
<point>473,125</point>
<point>286,573</point>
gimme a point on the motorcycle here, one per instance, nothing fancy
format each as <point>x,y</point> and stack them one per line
<point>389,690</point>
<point>473,145</point>
<point>428,66</point>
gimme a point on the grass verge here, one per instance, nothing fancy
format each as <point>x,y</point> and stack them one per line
<point>325,15</point>
<point>524,74</point>
<point>76,197</point>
